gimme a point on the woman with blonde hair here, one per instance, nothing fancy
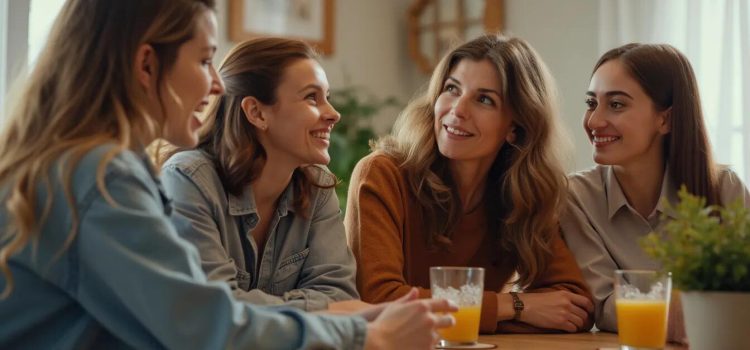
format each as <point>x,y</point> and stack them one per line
<point>89,257</point>
<point>469,177</point>
<point>258,202</point>
<point>644,118</point>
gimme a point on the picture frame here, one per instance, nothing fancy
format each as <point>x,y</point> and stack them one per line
<point>309,20</point>
<point>435,26</point>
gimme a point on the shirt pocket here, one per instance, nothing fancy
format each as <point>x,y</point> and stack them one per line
<point>285,278</point>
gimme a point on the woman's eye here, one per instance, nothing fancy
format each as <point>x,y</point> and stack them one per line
<point>450,88</point>
<point>616,105</point>
<point>591,104</point>
<point>207,62</point>
<point>486,100</point>
<point>312,97</point>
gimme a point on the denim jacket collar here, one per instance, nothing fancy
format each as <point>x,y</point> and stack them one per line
<point>165,199</point>
<point>244,204</point>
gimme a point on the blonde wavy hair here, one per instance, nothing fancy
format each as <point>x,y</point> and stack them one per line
<point>81,94</point>
<point>526,183</point>
<point>252,68</point>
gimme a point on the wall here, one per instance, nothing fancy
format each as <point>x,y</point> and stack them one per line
<point>371,51</point>
<point>565,33</point>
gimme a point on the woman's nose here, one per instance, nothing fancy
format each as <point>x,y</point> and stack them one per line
<point>331,114</point>
<point>217,85</point>
<point>459,107</point>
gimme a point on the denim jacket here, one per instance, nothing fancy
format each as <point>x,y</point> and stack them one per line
<point>306,262</point>
<point>127,280</point>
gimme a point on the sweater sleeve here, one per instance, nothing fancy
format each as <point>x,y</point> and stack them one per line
<point>562,273</point>
<point>375,228</point>
<point>375,223</point>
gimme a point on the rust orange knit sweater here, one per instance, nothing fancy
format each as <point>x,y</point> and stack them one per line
<point>385,232</point>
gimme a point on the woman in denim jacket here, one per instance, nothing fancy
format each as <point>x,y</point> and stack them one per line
<point>88,254</point>
<point>264,217</point>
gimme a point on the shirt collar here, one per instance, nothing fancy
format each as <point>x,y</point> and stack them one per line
<point>616,198</point>
<point>668,196</point>
<point>153,172</point>
<point>244,204</point>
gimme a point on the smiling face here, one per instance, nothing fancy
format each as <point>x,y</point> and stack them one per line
<point>296,129</point>
<point>471,123</point>
<point>621,120</point>
<point>190,82</point>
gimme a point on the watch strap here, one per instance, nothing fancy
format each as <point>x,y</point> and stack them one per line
<point>517,306</point>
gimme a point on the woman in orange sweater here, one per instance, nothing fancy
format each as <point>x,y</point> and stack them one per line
<point>469,177</point>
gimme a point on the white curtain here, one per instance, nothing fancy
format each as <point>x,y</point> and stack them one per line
<point>715,36</point>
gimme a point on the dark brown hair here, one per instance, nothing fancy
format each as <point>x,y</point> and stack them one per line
<point>667,77</point>
<point>253,68</point>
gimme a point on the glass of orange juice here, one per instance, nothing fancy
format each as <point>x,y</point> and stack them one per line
<point>642,306</point>
<point>463,286</point>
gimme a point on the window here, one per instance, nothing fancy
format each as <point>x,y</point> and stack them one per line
<point>24,27</point>
<point>3,49</point>
<point>41,16</point>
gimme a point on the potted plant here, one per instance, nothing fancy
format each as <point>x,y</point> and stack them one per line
<point>707,249</point>
<point>350,138</point>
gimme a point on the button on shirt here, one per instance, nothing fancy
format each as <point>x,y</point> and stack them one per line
<point>602,229</point>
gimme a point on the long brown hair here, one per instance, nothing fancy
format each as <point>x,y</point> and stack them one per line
<point>253,68</point>
<point>81,94</point>
<point>526,183</point>
<point>667,77</point>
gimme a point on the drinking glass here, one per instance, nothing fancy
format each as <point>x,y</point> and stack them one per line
<point>642,306</point>
<point>463,286</point>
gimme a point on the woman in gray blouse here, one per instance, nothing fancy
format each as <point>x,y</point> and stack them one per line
<point>255,196</point>
<point>645,122</point>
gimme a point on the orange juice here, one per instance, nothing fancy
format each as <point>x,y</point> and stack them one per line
<point>642,323</point>
<point>466,329</point>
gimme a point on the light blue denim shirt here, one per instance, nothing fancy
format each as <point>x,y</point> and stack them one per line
<point>127,280</point>
<point>306,262</point>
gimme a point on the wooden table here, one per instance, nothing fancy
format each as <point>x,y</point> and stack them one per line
<point>577,341</point>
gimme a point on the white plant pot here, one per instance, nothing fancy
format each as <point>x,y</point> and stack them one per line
<point>717,320</point>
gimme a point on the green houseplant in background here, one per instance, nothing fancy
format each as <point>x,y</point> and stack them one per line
<point>707,249</point>
<point>351,135</point>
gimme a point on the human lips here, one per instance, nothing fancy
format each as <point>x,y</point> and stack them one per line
<point>201,107</point>
<point>457,131</point>
<point>323,134</point>
<point>604,140</point>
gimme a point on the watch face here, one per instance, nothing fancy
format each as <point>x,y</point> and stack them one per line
<point>518,305</point>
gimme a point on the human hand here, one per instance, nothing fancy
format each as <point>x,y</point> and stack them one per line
<point>561,310</point>
<point>408,323</point>
<point>357,307</point>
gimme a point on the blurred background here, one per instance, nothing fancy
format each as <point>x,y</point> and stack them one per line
<point>378,52</point>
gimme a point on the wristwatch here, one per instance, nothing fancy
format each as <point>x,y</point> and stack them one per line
<point>517,306</point>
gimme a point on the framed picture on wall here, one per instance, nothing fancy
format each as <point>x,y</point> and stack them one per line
<point>308,20</point>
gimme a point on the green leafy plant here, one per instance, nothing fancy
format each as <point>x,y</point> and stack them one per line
<point>707,248</point>
<point>351,136</point>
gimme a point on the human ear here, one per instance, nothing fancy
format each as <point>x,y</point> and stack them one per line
<point>146,66</point>
<point>511,136</point>
<point>252,108</point>
<point>665,121</point>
